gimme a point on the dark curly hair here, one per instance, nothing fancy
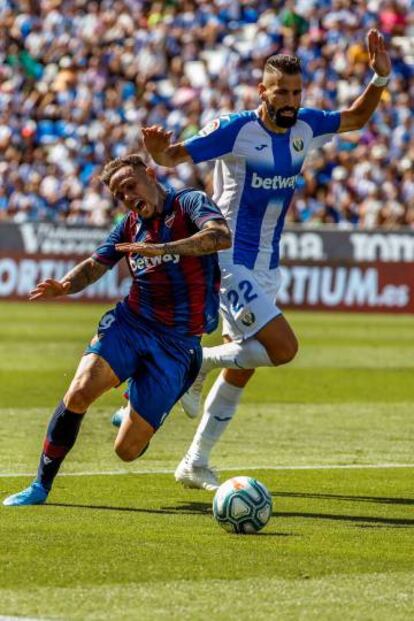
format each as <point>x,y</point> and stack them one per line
<point>113,166</point>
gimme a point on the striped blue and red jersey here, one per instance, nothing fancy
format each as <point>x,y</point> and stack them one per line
<point>180,292</point>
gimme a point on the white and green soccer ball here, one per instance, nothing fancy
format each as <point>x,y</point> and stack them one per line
<point>242,505</point>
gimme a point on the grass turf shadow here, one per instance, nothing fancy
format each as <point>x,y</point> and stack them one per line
<point>204,508</point>
<point>193,508</point>
<point>373,499</point>
<point>362,520</point>
<point>187,509</point>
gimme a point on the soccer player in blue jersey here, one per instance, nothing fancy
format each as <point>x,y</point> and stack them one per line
<point>258,156</point>
<point>152,337</point>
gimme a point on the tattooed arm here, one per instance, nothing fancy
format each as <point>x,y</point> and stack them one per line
<point>215,235</point>
<point>84,274</point>
<point>77,279</point>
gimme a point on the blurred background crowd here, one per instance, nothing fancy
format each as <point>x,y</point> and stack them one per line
<point>79,78</point>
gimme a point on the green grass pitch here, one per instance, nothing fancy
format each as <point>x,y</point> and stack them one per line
<point>124,541</point>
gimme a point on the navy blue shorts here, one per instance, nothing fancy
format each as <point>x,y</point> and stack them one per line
<point>160,366</point>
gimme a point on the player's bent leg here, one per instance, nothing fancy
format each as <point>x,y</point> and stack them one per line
<point>194,471</point>
<point>133,436</point>
<point>279,340</point>
<point>274,344</point>
<point>93,377</point>
<point>191,400</point>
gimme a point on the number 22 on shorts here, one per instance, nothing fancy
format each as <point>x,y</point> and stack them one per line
<point>245,293</point>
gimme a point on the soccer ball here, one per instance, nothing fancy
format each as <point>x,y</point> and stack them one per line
<point>242,505</point>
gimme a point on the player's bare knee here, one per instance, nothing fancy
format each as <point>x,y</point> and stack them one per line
<point>125,453</point>
<point>130,452</point>
<point>290,351</point>
<point>285,353</point>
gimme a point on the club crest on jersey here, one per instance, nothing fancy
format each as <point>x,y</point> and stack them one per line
<point>169,221</point>
<point>298,144</point>
<point>209,128</point>
<point>248,318</point>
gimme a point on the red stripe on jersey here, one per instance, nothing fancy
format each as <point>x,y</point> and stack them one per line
<point>129,236</point>
<point>133,298</point>
<point>162,307</point>
<point>194,276</point>
<point>130,227</point>
<point>193,272</point>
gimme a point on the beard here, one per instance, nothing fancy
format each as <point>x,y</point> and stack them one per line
<point>280,118</point>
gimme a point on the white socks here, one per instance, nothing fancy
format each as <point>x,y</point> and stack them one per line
<point>219,409</point>
<point>223,398</point>
<point>249,354</point>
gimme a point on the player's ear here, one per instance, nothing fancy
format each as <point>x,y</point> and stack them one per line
<point>261,90</point>
<point>150,172</point>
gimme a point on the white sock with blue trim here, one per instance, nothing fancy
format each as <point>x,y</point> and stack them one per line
<point>249,354</point>
<point>219,408</point>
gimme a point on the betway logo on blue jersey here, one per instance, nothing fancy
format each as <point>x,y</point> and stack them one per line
<point>273,183</point>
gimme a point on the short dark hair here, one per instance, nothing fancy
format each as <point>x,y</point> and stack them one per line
<point>134,160</point>
<point>284,63</point>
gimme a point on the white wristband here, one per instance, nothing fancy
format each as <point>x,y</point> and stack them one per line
<point>380,80</point>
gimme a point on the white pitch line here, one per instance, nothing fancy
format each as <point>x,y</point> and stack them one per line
<point>21,619</point>
<point>232,469</point>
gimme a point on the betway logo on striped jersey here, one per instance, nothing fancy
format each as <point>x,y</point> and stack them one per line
<point>139,263</point>
<point>273,183</point>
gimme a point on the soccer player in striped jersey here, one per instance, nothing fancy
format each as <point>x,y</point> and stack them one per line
<point>152,337</point>
<point>258,156</point>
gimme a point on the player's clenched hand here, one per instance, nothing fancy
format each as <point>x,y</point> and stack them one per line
<point>49,288</point>
<point>156,139</point>
<point>379,59</point>
<point>146,250</point>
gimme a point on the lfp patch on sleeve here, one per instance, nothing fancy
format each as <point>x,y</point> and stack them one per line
<point>209,128</point>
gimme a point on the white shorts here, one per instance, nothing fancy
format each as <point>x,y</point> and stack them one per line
<point>247,298</point>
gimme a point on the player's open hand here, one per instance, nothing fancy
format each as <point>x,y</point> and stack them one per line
<point>379,59</point>
<point>145,250</point>
<point>156,139</point>
<point>49,288</point>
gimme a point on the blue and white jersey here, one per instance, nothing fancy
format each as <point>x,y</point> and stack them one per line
<point>255,175</point>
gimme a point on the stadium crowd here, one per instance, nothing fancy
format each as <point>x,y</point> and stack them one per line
<point>79,78</point>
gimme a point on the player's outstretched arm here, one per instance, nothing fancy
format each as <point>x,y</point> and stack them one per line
<point>214,236</point>
<point>364,106</point>
<point>157,141</point>
<point>82,275</point>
